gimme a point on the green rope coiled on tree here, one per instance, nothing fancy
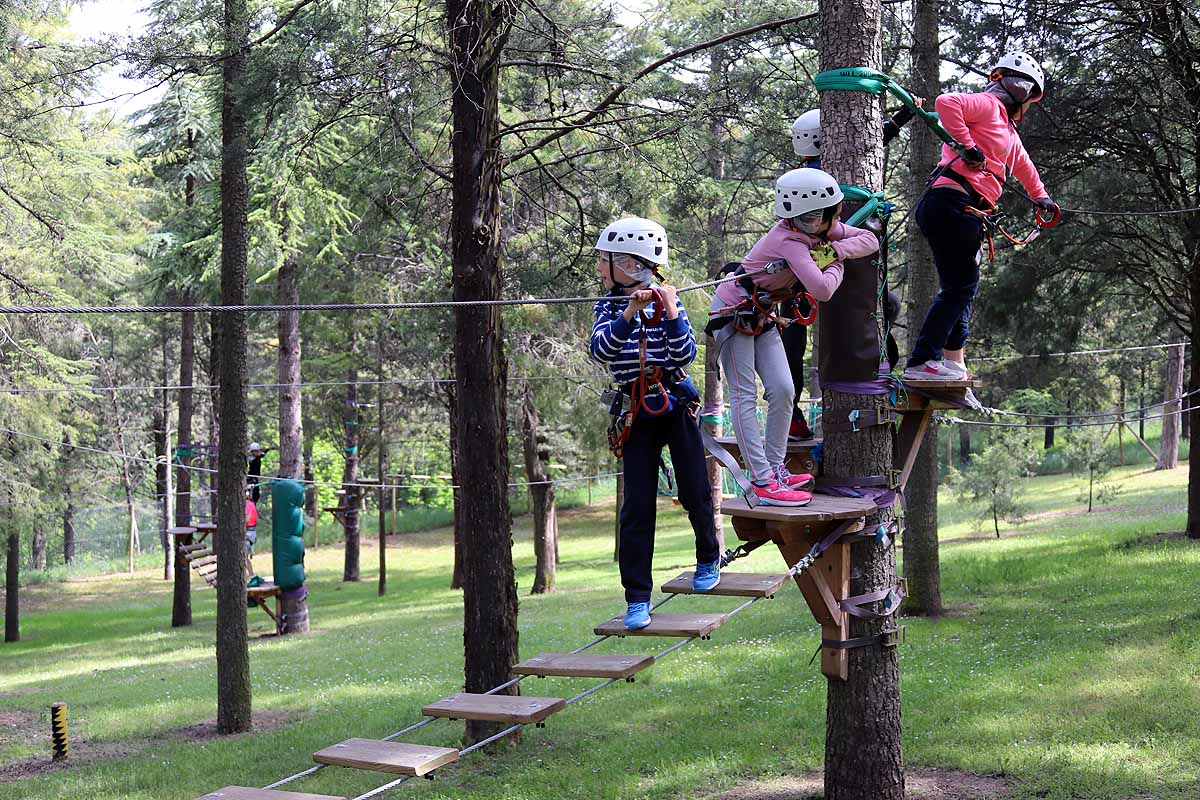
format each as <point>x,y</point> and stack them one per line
<point>872,81</point>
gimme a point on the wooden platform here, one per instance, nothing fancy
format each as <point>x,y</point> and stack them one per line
<point>495,707</point>
<point>684,625</point>
<point>934,395</point>
<point>380,756</point>
<point>823,508</point>
<point>733,584</point>
<point>247,793</point>
<point>583,665</point>
<point>799,453</point>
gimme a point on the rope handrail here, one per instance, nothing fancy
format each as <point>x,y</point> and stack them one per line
<point>399,306</point>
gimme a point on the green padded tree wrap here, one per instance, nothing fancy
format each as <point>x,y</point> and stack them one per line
<point>872,81</point>
<point>287,535</point>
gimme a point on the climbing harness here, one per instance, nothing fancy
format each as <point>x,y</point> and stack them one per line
<point>992,218</point>
<point>760,309</point>
<point>626,404</point>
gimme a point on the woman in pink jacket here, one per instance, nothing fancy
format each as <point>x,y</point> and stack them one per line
<point>986,124</point>
<point>803,252</point>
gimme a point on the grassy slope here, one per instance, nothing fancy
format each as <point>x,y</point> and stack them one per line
<point>1072,667</point>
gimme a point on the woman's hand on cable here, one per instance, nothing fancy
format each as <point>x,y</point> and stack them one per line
<point>1047,205</point>
<point>974,157</point>
<point>669,293</point>
<point>638,301</point>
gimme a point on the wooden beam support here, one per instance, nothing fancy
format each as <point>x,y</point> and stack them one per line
<point>913,427</point>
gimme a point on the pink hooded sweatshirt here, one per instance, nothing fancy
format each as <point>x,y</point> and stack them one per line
<point>981,120</point>
<point>781,242</point>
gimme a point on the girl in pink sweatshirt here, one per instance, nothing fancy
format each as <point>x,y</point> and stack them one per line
<point>803,252</point>
<point>986,124</point>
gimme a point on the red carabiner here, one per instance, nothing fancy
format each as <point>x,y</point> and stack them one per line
<point>1044,223</point>
<point>804,319</point>
<point>655,319</point>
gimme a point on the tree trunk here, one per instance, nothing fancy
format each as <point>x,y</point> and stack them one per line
<point>964,445</point>
<point>350,492</point>
<point>310,488</point>
<point>1168,448</point>
<point>161,470</point>
<point>541,491</point>
<point>617,516</point>
<point>37,549</point>
<point>456,577</point>
<point>476,43</point>
<point>714,245</point>
<point>187,408</point>
<point>1185,419</point>
<point>921,561</point>
<point>382,464</point>
<point>863,757</point>
<point>1049,439</point>
<point>68,518</point>
<point>12,582</point>
<point>291,431</point>
<point>233,654</point>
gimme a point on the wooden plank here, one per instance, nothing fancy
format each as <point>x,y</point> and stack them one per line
<point>685,625</point>
<point>248,793</point>
<point>196,550</point>
<point>206,569</point>
<point>207,527</point>
<point>822,508</point>
<point>182,530</point>
<point>909,439</point>
<point>733,584</point>
<point>495,707</point>
<point>930,386</point>
<point>749,530</point>
<point>202,561</point>
<point>265,590</point>
<point>394,757</point>
<point>823,594</point>
<point>583,665</point>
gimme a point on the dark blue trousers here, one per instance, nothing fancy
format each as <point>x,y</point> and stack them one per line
<point>678,431</point>
<point>955,237</point>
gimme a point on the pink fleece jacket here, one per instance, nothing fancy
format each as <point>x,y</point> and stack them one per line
<point>781,242</point>
<point>981,120</point>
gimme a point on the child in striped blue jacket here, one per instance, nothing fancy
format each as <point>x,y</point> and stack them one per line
<point>645,339</point>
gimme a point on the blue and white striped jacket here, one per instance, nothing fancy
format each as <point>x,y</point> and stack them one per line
<point>615,342</point>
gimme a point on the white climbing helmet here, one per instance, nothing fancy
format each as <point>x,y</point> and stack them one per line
<point>636,236</point>
<point>1025,64</point>
<point>806,134</point>
<point>255,447</point>
<point>800,191</point>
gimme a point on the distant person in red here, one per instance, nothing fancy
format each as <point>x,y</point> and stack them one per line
<point>251,529</point>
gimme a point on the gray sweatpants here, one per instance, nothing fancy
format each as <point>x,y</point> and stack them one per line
<point>742,357</point>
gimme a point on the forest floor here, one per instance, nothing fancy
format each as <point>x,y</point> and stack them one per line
<point>1068,668</point>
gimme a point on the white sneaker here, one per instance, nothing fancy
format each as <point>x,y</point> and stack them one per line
<point>934,371</point>
<point>954,366</point>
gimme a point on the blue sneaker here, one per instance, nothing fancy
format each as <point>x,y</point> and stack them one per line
<point>637,617</point>
<point>706,577</point>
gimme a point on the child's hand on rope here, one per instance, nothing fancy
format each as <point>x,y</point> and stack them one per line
<point>638,301</point>
<point>669,293</point>
<point>824,255</point>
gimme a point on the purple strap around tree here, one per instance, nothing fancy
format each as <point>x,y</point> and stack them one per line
<point>881,385</point>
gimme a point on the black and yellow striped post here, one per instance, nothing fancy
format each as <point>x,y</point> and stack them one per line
<point>58,731</point>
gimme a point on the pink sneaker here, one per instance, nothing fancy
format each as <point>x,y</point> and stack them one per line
<point>790,481</point>
<point>775,494</point>
<point>934,371</point>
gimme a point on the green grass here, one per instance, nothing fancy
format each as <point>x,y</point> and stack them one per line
<point>1070,666</point>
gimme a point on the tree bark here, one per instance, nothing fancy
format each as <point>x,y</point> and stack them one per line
<point>456,577</point>
<point>37,549</point>
<point>233,654</point>
<point>1049,438</point>
<point>291,427</point>
<point>161,468</point>
<point>12,582</point>
<point>68,518</point>
<point>541,491</point>
<point>964,445</point>
<point>863,756</point>
<point>382,464</point>
<point>922,566</point>
<point>476,43</point>
<point>714,245</point>
<point>350,491</point>
<point>1168,448</point>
